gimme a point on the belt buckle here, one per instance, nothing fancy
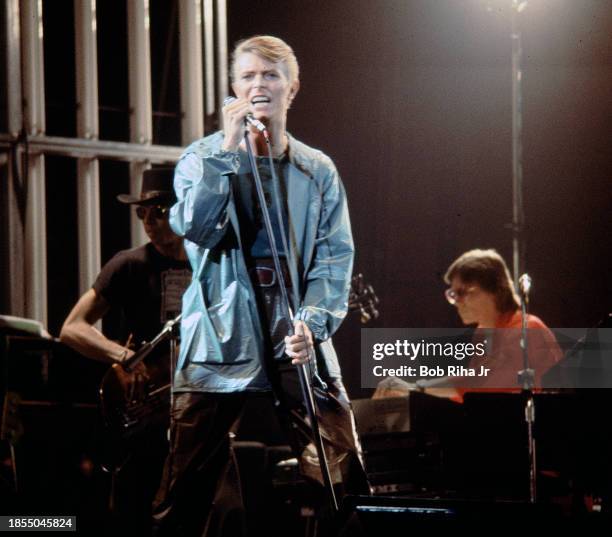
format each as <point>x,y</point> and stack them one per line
<point>266,270</point>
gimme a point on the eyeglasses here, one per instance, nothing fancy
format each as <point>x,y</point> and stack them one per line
<point>455,295</point>
<point>157,211</point>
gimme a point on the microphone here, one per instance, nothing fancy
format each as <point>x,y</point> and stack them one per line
<point>249,117</point>
<point>524,284</point>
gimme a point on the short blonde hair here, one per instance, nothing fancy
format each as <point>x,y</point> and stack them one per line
<point>269,48</point>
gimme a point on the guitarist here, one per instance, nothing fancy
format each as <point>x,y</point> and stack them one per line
<point>142,287</point>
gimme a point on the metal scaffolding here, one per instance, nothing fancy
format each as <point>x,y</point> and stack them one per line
<point>202,27</point>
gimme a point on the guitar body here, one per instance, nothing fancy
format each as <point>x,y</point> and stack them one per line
<point>134,404</point>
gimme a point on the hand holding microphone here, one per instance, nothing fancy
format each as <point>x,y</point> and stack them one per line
<point>249,117</point>
<point>237,112</point>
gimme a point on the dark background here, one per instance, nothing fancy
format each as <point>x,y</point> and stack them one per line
<point>412,100</point>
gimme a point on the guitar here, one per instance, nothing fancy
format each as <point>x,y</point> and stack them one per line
<point>135,398</point>
<point>132,401</point>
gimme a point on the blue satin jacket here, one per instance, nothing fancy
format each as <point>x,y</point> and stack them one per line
<point>221,344</point>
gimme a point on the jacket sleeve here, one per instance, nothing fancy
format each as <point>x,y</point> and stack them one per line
<point>328,278</point>
<point>202,186</point>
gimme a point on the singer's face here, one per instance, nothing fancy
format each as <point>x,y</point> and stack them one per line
<point>265,85</point>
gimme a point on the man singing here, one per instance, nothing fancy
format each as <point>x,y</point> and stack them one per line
<point>235,334</point>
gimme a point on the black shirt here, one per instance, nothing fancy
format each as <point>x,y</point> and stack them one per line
<point>254,237</point>
<point>144,290</point>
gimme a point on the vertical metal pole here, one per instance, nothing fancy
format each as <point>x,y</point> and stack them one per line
<point>35,241</point>
<point>13,67</point>
<point>527,380</point>
<point>88,182</point>
<point>139,62</point>
<point>518,216</point>
<point>138,234</point>
<point>34,97</point>
<point>532,448</point>
<point>141,120</point>
<point>14,221</point>
<point>518,227</point>
<point>33,66</point>
<point>222,70</point>
<point>88,196</point>
<point>86,60</point>
<point>209,60</point>
<point>192,90</point>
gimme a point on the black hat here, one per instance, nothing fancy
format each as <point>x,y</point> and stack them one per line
<point>156,189</point>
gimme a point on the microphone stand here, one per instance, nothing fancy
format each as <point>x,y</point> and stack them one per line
<point>167,331</point>
<point>305,371</point>
<point>526,379</point>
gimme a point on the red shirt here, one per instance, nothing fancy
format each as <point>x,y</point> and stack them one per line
<point>504,357</point>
